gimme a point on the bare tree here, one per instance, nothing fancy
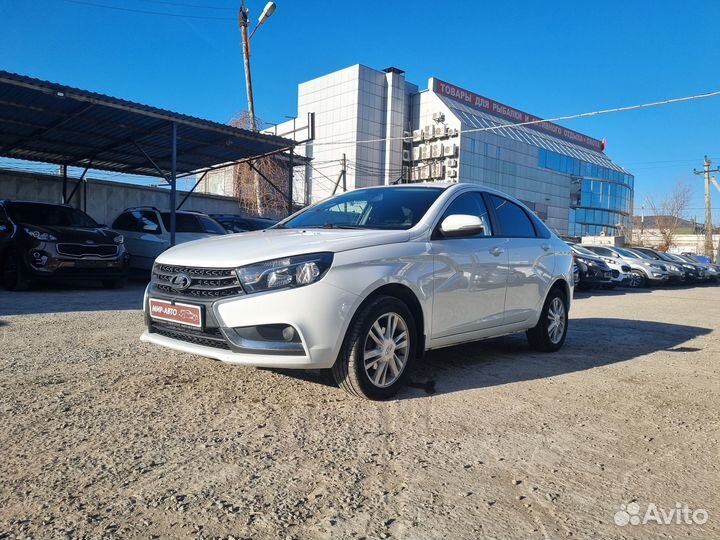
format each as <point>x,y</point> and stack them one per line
<point>258,195</point>
<point>669,212</point>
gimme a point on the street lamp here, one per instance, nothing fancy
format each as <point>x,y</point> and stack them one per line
<point>243,22</point>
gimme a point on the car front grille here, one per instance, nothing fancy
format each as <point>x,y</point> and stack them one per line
<point>206,283</point>
<point>210,337</point>
<point>87,250</point>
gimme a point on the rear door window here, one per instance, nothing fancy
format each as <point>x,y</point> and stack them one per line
<point>514,222</point>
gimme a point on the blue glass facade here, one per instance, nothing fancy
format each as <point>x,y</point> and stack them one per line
<point>600,197</point>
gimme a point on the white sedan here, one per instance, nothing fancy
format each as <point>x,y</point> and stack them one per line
<point>364,283</point>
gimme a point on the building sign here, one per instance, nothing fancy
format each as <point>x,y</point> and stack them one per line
<point>514,115</point>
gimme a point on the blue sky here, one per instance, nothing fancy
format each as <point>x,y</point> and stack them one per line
<point>547,58</point>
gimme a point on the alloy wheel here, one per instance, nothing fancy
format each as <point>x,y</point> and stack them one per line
<point>635,280</point>
<point>557,319</point>
<point>387,348</point>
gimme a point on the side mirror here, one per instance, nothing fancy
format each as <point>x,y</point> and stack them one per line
<point>459,225</point>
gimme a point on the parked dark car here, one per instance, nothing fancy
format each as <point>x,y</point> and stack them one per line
<point>40,241</point>
<point>594,272</point>
<point>712,272</point>
<point>237,224</point>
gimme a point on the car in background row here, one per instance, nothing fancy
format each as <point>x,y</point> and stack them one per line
<point>620,271</point>
<point>147,232</point>
<point>41,241</point>
<point>592,270</point>
<point>239,224</point>
<point>712,271</point>
<point>643,272</point>
<point>680,271</point>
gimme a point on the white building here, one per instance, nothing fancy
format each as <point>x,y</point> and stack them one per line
<point>389,131</point>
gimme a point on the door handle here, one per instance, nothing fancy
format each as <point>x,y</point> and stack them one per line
<point>546,247</point>
<point>496,251</point>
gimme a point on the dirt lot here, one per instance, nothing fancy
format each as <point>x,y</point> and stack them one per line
<point>103,436</point>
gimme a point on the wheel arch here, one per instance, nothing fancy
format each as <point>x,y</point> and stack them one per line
<point>409,298</point>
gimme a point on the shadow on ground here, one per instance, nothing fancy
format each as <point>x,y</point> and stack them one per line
<point>509,359</point>
<point>64,298</point>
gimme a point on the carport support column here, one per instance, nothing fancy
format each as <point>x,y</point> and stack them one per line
<point>64,183</point>
<point>290,182</point>
<point>173,182</point>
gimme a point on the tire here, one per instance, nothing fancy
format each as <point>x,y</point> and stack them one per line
<point>546,336</point>
<point>114,283</point>
<point>14,275</point>
<point>370,327</point>
<point>637,280</point>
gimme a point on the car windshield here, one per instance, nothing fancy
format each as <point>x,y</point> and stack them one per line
<point>48,215</point>
<point>193,223</point>
<point>393,208</point>
<point>629,254</point>
<point>645,255</point>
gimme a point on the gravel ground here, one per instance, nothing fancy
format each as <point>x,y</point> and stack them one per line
<point>105,437</point>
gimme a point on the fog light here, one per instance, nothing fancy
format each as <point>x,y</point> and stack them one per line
<point>288,333</point>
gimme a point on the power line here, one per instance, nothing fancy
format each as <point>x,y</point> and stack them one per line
<point>534,122</point>
<point>147,12</point>
<point>180,4</point>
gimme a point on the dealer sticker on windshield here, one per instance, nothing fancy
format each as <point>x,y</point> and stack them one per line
<point>177,313</point>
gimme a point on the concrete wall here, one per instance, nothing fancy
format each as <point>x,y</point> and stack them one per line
<point>105,199</point>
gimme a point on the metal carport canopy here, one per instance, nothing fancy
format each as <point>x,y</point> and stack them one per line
<point>53,123</point>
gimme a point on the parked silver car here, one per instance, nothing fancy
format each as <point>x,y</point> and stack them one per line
<point>643,272</point>
<point>147,232</point>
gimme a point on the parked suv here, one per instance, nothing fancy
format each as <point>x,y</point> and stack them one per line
<point>147,232</point>
<point>643,272</point>
<point>679,272</point>
<point>364,282</point>
<point>40,241</point>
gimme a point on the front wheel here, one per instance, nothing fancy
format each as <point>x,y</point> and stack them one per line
<point>379,347</point>
<point>637,279</point>
<point>548,335</point>
<point>14,275</point>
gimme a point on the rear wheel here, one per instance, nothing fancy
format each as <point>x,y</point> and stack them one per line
<point>379,347</point>
<point>14,275</point>
<point>548,335</point>
<point>637,279</point>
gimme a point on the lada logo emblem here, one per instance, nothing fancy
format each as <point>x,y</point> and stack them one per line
<point>180,282</point>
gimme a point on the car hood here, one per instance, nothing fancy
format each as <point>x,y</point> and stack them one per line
<point>245,248</point>
<point>76,234</point>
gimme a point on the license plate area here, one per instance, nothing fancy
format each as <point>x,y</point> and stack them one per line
<point>177,312</point>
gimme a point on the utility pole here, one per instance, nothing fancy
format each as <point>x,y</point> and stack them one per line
<point>709,248</point>
<point>243,22</point>
<point>342,176</point>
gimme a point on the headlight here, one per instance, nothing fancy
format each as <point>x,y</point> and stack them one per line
<point>284,273</point>
<point>119,239</point>
<point>40,235</point>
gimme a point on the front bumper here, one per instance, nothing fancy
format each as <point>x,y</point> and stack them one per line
<point>318,313</point>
